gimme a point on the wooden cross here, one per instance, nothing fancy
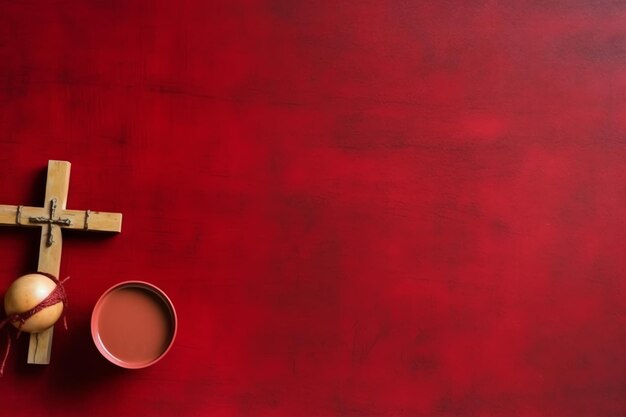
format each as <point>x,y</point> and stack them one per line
<point>52,218</point>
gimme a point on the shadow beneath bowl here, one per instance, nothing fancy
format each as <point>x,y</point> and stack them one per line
<point>76,364</point>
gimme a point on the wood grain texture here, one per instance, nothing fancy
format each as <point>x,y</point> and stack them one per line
<point>364,208</point>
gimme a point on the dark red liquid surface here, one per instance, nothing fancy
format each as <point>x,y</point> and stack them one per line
<point>135,325</point>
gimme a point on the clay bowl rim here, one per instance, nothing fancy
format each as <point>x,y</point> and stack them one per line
<point>96,314</point>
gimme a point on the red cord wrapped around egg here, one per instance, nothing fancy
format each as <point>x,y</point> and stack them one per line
<point>33,303</point>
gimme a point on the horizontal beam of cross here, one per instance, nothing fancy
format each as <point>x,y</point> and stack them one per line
<point>79,219</point>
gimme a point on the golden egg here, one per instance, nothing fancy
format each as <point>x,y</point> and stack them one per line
<point>24,294</point>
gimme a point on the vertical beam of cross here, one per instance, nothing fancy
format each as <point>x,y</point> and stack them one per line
<point>57,188</point>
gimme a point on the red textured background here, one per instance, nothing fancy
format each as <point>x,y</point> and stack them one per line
<point>364,208</point>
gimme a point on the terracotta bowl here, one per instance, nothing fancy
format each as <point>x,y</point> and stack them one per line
<point>133,324</point>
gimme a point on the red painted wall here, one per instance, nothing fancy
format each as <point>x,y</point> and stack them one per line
<point>377,208</point>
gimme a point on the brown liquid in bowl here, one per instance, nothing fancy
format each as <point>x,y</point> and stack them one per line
<point>135,325</point>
